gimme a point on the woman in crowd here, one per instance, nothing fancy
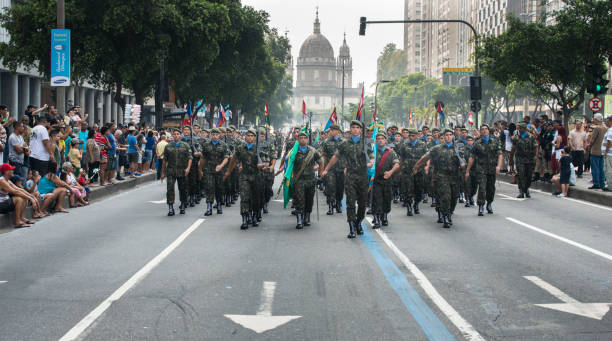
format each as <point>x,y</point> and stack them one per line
<point>78,194</point>
<point>149,146</point>
<point>93,156</point>
<point>52,189</point>
<point>559,143</point>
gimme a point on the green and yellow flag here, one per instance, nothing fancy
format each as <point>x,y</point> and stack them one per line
<point>288,177</point>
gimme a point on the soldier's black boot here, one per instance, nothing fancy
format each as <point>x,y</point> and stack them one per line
<point>489,208</point>
<point>425,198</point>
<point>351,230</point>
<point>245,222</point>
<point>395,199</point>
<point>384,220</point>
<point>331,209</point>
<point>258,216</point>
<point>170,210</point>
<point>480,210</point>
<point>536,177</point>
<point>416,208</point>
<point>527,195</point>
<point>338,206</point>
<point>450,219</point>
<point>307,219</point>
<point>254,219</point>
<point>232,200</point>
<point>472,202</point>
<point>461,200</point>
<point>358,227</point>
<point>409,209</point>
<point>208,209</point>
<point>376,222</point>
<point>292,210</point>
<point>265,208</point>
<point>198,198</point>
<point>300,222</point>
<point>182,208</point>
<point>219,209</point>
<point>433,202</point>
<point>522,195</point>
<point>440,220</point>
<point>467,201</point>
<point>191,201</point>
<point>447,223</point>
<point>249,218</point>
<point>228,201</point>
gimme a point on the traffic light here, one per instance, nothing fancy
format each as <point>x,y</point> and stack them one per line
<point>596,83</point>
<point>475,88</point>
<point>600,85</point>
<point>362,26</point>
<point>475,106</point>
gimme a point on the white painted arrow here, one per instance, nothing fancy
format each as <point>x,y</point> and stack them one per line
<point>591,310</point>
<point>263,320</point>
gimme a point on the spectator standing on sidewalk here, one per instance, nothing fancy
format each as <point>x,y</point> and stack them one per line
<point>577,140</point>
<point>606,150</point>
<point>133,150</point>
<point>562,180</point>
<point>159,150</point>
<point>122,145</point>
<point>111,166</point>
<point>594,146</point>
<point>83,136</point>
<point>41,147</point>
<point>93,156</point>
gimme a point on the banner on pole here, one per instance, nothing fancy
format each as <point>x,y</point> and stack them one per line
<point>60,57</point>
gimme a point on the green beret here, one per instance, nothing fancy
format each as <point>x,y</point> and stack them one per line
<point>357,123</point>
<point>335,126</point>
<point>413,131</point>
<point>424,127</point>
<point>446,130</point>
<point>522,125</point>
<point>215,130</point>
<point>251,131</point>
<point>381,133</point>
<point>435,129</point>
<point>221,129</point>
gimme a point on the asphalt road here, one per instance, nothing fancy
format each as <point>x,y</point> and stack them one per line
<point>121,269</point>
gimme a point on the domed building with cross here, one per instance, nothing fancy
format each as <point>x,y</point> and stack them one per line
<point>319,75</point>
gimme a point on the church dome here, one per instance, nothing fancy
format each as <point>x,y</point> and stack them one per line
<point>316,45</point>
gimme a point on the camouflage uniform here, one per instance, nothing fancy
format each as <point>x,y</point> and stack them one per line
<point>249,184</point>
<point>446,177</point>
<point>412,185</point>
<point>267,154</point>
<point>352,156</point>
<point>471,183</point>
<point>383,188</point>
<point>193,179</point>
<point>334,180</point>
<point>486,155</point>
<point>524,159</point>
<point>304,187</point>
<point>176,158</point>
<point>214,154</point>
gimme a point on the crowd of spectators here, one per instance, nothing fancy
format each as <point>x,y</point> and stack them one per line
<point>46,157</point>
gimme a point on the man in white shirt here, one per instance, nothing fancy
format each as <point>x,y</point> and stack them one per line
<point>41,147</point>
<point>606,152</point>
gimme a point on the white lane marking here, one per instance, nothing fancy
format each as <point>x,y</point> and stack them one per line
<point>2,282</point>
<point>591,310</point>
<point>158,201</point>
<point>570,199</point>
<point>80,327</point>
<point>466,329</point>
<point>507,197</point>
<point>263,320</point>
<point>563,239</point>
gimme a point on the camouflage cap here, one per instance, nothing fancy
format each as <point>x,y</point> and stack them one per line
<point>435,129</point>
<point>262,130</point>
<point>413,131</point>
<point>393,127</point>
<point>405,129</point>
<point>233,127</point>
<point>469,137</point>
<point>357,123</point>
<point>446,130</point>
<point>206,130</point>
<point>335,126</point>
<point>424,127</point>
<point>381,133</point>
<point>251,131</point>
<point>222,129</point>
<point>215,130</point>
<point>522,125</point>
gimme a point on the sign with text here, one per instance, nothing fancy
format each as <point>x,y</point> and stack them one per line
<point>60,57</point>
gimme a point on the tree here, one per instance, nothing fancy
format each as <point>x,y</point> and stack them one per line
<point>392,63</point>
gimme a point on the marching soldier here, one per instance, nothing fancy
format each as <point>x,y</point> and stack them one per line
<point>215,157</point>
<point>428,175</point>
<point>268,157</point>
<point>447,161</point>
<point>487,153</point>
<point>236,140</point>
<point>246,155</point>
<point>525,151</point>
<point>412,185</point>
<point>334,180</point>
<point>351,153</point>
<point>177,165</point>
<point>304,180</point>
<point>471,182</point>
<point>193,176</point>
<point>387,163</point>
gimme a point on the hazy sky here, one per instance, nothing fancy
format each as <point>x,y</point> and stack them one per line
<point>336,16</point>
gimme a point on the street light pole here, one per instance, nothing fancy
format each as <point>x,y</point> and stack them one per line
<point>60,91</point>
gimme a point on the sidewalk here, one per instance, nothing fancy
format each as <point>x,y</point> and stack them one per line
<point>7,221</point>
<point>580,191</point>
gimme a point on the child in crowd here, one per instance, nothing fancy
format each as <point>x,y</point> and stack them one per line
<point>31,184</point>
<point>75,155</point>
<point>565,164</point>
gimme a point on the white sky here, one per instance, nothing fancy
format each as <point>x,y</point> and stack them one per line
<point>336,16</point>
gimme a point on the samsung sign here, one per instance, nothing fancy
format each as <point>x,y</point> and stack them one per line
<point>60,57</point>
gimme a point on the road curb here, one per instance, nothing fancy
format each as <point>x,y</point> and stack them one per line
<point>593,196</point>
<point>7,221</point>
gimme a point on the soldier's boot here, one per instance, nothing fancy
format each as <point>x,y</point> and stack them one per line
<point>351,230</point>
<point>527,195</point>
<point>467,200</point>
<point>480,210</point>
<point>425,198</point>
<point>249,218</point>
<point>191,201</point>
<point>338,206</point>
<point>450,218</point>
<point>258,216</point>
<point>520,196</point>
<point>376,222</point>
<point>433,202</point>
<point>307,219</point>
<point>447,223</point>
<point>461,200</point>
<point>232,200</point>
<point>536,177</point>
<point>228,201</point>
<point>300,222</point>
<point>409,209</point>
<point>440,220</point>
<point>219,208</point>
<point>292,210</point>
<point>472,203</point>
<point>245,222</point>
<point>416,208</point>
<point>208,209</point>
<point>254,219</point>
<point>265,208</point>
<point>384,220</point>
<point>331,209</point>
<point>198,198</point>
<point>489,208</point>
<point>358,227</point>
<point>395,198</point>
<point>170,210</point>
<point>182,208</point>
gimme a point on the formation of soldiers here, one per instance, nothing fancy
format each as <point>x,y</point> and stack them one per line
<point>369,172</point>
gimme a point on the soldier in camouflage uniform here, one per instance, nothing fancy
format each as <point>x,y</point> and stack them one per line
<point>471,182</point>
<point>461,141</point>
<point>447,162</point>
<point>351,153</point>
<point>246,155</point>
<point>176,165</point>
<point>204,137</point>
<point>396,180</point>
<point>197,138</point>
<point>487,152</point>
<point>288,146</point>
<point>215,156</point>
<point>268,157</point>
<point>334,180</point>
<point>410,152</point>
<point>193,178</point>
<point>304,180</point>
<point>234,179</point>
<point>387,163</point>
<point>525,151</point>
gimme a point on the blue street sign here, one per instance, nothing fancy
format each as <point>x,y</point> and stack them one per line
<point>60,57</point>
